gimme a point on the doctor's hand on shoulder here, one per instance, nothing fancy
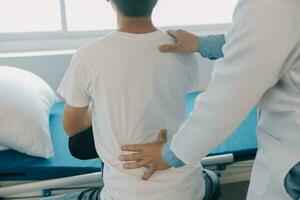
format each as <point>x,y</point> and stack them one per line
<point>184,42</point>
<point>146,155</point>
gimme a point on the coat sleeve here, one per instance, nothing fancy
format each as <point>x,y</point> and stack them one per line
<point>255,57</point>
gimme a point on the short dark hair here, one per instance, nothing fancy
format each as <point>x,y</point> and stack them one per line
<point>135,8</point>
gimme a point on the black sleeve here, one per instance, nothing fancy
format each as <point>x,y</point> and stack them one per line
<point>82,146</point>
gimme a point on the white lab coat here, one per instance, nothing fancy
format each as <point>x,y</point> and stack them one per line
<point>261,67</point>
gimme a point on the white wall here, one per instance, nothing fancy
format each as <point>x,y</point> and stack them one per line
<point>52,67</point>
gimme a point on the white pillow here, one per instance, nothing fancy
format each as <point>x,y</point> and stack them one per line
<point>25,102</point>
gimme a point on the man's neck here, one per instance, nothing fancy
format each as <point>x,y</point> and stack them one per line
<point>140,25</point>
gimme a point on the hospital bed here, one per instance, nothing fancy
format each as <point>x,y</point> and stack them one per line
<point>28,177</point>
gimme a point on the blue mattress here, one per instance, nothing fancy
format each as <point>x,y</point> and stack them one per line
<point>17,166</point>
<point>242,143</point>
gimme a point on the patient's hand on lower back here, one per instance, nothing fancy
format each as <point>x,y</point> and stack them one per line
<point>146,155</point>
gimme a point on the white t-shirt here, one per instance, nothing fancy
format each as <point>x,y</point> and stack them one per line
<point>135,92</point>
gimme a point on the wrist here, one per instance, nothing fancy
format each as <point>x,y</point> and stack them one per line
<point>199,45</point>
<point>195,41</point>
<point>169,157</point>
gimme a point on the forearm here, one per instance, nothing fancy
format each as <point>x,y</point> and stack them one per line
<point>84,123</point>
<point>211,46</point>
<point>87,121</point>
<point>74,124</point>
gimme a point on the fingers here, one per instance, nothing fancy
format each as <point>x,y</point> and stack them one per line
<point>135,165</point>
<point>162,137</point>
<point>168,47</point>
<point>148,173</point>
<point>133,147</point>
<point>131,157</point>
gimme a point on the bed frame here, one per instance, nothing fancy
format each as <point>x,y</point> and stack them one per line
<point>224,165</point>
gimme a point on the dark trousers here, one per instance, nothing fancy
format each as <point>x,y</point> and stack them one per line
<point>292,182</point>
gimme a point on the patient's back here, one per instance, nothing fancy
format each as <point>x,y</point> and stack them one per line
<point>136,92</point>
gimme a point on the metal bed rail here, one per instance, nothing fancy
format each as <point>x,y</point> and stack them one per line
<point>88,178</point>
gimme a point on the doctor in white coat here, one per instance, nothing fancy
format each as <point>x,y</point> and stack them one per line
<point>261,67</point>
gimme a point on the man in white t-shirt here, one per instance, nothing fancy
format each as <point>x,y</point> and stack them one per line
<point>133,91</point>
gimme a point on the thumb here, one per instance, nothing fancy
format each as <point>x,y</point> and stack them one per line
<point>148,174</point>
<point>168,48</point>
<point>162,137</point>
<point>172,33</point>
